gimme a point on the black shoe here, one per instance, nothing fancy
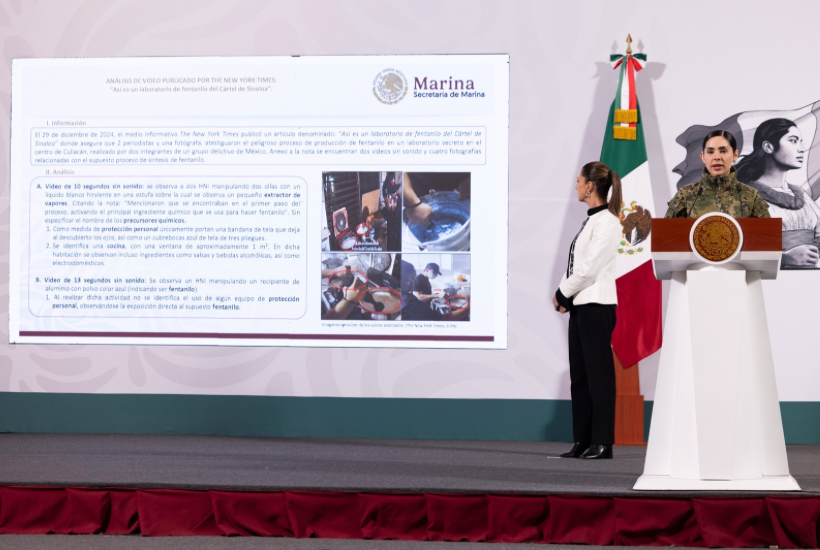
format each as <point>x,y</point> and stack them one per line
<point>576,450</point>
<point>598,451</point>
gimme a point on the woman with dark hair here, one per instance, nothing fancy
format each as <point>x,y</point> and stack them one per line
<point>778,148</point>
<point>718,189</point>
<point>587,292</point>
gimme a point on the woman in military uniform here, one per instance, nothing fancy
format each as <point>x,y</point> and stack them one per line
<point>718,189</point>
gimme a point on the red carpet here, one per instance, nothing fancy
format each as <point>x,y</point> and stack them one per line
<point>787,522</point>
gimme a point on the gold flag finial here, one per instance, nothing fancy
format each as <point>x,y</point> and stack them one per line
<point>628,44</point>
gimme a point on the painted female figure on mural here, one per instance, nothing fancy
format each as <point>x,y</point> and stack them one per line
<point>777,148</point>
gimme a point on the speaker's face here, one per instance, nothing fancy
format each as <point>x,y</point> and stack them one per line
<point>718,156</point>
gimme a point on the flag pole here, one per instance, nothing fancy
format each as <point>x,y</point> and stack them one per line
<point>629,403</point>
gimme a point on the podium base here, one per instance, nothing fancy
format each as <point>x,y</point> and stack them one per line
<point>765,483</point>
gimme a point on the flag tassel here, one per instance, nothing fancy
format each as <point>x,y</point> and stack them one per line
<point>625,132</point>
<point>626,116</point>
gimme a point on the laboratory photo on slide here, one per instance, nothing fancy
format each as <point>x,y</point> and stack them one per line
<point>435,287</point>
<point>436,211</point>
<point>362,211</point>
<point>361,287</point>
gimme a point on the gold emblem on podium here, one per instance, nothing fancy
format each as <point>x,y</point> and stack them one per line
<point>716,237</point>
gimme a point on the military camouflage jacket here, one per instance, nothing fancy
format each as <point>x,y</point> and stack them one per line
<point>718,194</point>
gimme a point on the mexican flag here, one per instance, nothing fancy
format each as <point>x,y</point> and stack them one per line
<point>638,331</point>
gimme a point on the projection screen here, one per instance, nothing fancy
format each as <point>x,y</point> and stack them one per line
<point>260,201</point>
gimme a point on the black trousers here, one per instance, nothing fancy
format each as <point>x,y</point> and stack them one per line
<point>592,373</point>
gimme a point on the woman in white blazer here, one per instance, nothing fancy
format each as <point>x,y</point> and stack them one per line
<point>587,291</point>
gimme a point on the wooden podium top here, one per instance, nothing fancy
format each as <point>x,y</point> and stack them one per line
<point>759,234</point>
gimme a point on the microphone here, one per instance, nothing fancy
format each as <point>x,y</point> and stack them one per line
<point>697,196</point>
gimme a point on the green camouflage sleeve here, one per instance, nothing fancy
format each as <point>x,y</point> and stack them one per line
<point>760,208</point>
<point>677,206</point>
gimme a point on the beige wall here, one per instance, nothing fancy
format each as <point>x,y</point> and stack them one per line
<point>707,60</point>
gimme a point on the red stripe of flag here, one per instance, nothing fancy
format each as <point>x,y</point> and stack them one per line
<point>638,331</point>
<point>633,99</point>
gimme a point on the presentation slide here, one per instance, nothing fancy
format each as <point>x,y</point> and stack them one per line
<point>262,201</point>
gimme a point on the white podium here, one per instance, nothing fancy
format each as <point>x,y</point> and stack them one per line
<point>716,419</point>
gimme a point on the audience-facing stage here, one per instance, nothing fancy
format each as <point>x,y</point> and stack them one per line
<point>410,490</point>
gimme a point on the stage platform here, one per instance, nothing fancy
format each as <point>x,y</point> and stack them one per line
<point>272,464</point>
<point>409,489</point>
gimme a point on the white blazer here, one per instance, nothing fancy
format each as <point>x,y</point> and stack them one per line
<point>593,274</point>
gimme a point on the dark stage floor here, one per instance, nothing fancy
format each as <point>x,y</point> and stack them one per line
<point>196,462</point>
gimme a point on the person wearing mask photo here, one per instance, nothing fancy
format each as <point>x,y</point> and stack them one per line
<point>413,309</point>
<point>422,288</point>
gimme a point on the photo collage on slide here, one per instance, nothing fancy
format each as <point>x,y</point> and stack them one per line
<point>396,246</point>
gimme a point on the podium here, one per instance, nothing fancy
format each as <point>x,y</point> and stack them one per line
<point>716,421</point>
